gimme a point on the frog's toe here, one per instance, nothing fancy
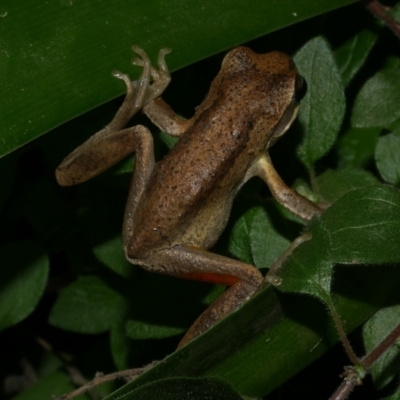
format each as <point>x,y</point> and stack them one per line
<point>142,54</point>
<point>118,74</point>
<point>137,61</point>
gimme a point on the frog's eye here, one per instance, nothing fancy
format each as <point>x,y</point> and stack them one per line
<point>300,88</point>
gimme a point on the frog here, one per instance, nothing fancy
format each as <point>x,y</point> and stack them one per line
<point>178,207</point>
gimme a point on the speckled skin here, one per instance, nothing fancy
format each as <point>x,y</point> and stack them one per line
<point>178,207</point>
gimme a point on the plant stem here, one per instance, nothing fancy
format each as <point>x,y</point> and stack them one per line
<point>313,180</point>
<point>386,343</point>
<point>381,12</point>
<point>351,380</point>
<point>344,390</point>
<point>343,338</point>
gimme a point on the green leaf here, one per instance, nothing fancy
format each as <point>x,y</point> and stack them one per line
<point>58,56</point>
<point>351,55</point>
<point>120,347</point>
<point>322,109</point>
<point>239,243</point>
<point>362,227</point>
<point>377,102</point>
<point>334,184</point>
<point>386,368</point>
<point>141,330</point>
<point>255,240</point>
<point>395,12</point>
<point>387,156</point>
<point>357,146</point>
<point>23,277</point>
<point>88,305</point>
<point>169,140</point>
<point>394,396</point>
<point>111,253</point>
<point>184,388</point>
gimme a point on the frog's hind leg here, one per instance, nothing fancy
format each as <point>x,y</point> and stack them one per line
<point>201,265</point>
<point>228,302</point>
<point>113,143</point>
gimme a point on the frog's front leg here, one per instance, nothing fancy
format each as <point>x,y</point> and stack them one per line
<point>289,198</point>
<point>113,143</point>
<point>201,265</point>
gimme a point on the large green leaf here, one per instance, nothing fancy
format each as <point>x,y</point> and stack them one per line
<point>24,268</point>
<point>184,388</point>
<point>56,56</point>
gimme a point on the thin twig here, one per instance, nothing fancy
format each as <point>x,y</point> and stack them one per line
<point>381,12</point>
<point>352,377</point>
<point>343,338</point>
<point>100,378</point>
<point>344,390</point>
<point>386,343</point>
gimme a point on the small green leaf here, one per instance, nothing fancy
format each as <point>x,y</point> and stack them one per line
<point>239,243</point>
<point>357,146</point>
<point>121,347</point>
<point>23,276</point>
<point>255,240</point>
<point>322,109</point>
<point>395,12</point>
<point>394,396</point>
<point>88,305</point>
<point>351,55</point>
<point>185,388</point>
<point>266,243</point>
<point>334,184</point>
<point>169,140</point>
<point>386,368</point>
<point>387,156</point>
<point>309,269</point>
<point>111,253</point>
<point>140,330</point>
<point>377,102</point>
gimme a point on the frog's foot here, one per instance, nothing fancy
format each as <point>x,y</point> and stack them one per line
<point>135,98</point>
<point>161,77</point>
<point>150,85</point>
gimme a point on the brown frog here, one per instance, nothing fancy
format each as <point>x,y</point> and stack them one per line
<point>178,207</point>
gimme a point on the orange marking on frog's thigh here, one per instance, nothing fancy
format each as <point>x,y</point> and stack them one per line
<point>228,280</point>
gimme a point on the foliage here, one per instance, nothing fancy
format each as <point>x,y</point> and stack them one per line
<point>71,305</point>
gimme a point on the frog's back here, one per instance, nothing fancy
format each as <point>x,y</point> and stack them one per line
<point>196,176</point>
<point>190,192</point>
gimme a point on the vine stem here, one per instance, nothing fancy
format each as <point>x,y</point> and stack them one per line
<point>343,337</point>
<point>386,343</point>
<point>345,388</point>
<point>351,379</point>
<point>381,12</point>
<point>313,180</point>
